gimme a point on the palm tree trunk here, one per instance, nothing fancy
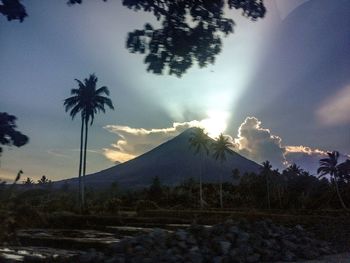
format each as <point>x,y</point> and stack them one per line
<point>84,166</point>
<point>339,195</point>
<point>280,196</point>
<point>80,162</point>
<point>221,201</point>
<point>268,191</point>
<point>200,181</point>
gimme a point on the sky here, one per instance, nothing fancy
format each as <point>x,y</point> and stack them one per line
<point>280,88</point>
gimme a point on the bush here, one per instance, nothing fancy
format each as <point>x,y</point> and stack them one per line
<point>112,205</point>
<point>143,205</point>
<point>7,227</point>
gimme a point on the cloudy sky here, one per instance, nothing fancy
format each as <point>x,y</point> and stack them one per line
<point>280,87</point>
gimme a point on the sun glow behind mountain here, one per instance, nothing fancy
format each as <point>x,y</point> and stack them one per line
<point>216,123</point>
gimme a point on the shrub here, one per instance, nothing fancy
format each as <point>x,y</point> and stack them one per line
<point>143,205</point>
<point>112,205</point>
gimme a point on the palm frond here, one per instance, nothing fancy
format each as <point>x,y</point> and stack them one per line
<point>102,90</point>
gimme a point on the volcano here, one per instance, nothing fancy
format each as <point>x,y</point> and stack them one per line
<point>173,162</point>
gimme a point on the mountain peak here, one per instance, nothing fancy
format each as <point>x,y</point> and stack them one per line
<point>173,162</point>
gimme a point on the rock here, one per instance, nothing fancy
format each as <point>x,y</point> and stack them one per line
<point>180,235</point>
<point>225,247</point>
<point>253,258</point>
<point>288,245</point>
<point>288,256</point>
<point>309,253</point>
<point>234,229</point>
<point>195,257</point>
<point>234,253</point>
<point>218,259</point>
<point>231,241</point>
<point>147,260</point>
<point>191,241</point>
<point>194,249</point>
<point>157,233</point>
<point>182,245</point>
<point>299,228</point>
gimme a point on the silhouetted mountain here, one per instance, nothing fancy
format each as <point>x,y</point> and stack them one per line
<point>173,162</point>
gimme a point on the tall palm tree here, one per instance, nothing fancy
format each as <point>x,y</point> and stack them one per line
<point>266,172</point>
<point>199,141</point>
<point>86,100</point>
<point>330,166</point>
<point>220,147</point>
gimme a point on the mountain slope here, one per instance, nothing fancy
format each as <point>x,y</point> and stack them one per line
<point>173,162</point>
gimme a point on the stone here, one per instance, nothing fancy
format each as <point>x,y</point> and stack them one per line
<point>288,245</point>
<point>288,256</point>
<point>253,258</point>
<point>231,241</point>
<point>182,245</point>
<point>234,229</point>
<point>299,228</point>
<point>180,235</point>
<point>242,237</point>
<point>225,247</point>
<point>195,257</point>
<point>218,259</point>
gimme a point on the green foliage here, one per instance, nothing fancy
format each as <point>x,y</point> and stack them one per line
<point>7,227</point>
<point>155,191</point>
<point>112,205</point>
<point>143,205</point>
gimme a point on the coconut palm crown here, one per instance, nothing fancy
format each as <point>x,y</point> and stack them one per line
<point>221,147</point>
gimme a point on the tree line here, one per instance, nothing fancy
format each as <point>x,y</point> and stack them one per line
<point>269,189</point>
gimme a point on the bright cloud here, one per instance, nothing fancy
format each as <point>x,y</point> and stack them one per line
<point>337,109</point>
<point>253,141</point>
<point>304,149</point>
<point>258,144</point>
<point>132,142</point>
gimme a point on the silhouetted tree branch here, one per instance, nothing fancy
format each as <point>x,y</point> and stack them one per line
<point>13,10</point>
<point>191,31</point>
<point>8,133</point>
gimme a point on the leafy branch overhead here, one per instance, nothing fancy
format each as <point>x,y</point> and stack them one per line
<point>13,10</point>
<point>191,31</point>
<point>8,134</point>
